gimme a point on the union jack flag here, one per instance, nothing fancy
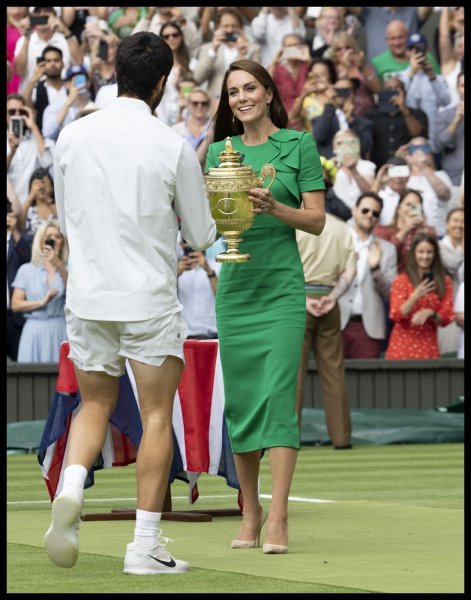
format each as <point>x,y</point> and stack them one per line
<point>201,441</point>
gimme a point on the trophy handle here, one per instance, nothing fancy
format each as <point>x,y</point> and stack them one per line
<point>267,170</point>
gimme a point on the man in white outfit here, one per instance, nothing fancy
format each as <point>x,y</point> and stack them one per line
<point>123,179</point>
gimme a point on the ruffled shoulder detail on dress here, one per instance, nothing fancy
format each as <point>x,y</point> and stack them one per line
<point>284,152</point>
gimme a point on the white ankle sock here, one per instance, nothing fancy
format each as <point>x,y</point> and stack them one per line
<point>74,480</point>
<point>146,531</point>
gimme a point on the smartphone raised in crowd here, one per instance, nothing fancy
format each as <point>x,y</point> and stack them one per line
<point>38,20</point>
<point>50,243</point>
<point>398,170</point>
<point>17,126</point>
<point>384,101</point>
<point>428,275</point>
<point>231,36</point>
<point>103,50</point>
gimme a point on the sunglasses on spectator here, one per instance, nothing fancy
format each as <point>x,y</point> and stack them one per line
<point>17,111</point>
<point>424,147</point>
<point>167,36</point>
<point>375,213</point>
<point>199,102</point>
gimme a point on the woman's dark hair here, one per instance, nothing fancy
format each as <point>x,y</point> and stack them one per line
<point>329,66</point>
<point>141,60</point>
<point>39,173</point>
<point>223,122</point>
<point>402,197</point>
<point>436,267</point>
<point>181,53</point>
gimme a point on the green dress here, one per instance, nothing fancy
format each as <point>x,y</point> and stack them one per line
<point>260,305</point>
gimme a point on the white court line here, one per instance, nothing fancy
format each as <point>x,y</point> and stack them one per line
<point>90,500</point>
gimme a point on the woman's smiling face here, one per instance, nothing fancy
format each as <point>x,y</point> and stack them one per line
<point>248,98</point>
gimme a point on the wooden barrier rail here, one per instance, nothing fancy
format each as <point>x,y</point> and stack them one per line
<point>373,383</point>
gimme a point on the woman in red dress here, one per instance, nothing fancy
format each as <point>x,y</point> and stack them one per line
<point>421,300</point>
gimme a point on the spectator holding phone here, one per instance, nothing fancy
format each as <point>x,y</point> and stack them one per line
<point>271,25</point>
<point>229,43</point>
<point>316,93</point>
<point>339,113</point>
<point>354,175</point>
<point>349,61</point>
<point>290,67</point>
<point>26,147</point>
<point>64,110</point>
<point>394,116</point>
<point>181,15</point>
<point>46,83</point>
<point>45,29</point>
<point>102,62</point>
<point>408,220</point>
<point>451,48</point>
<point>329,22</point>
<point>197,284</point>
<point>434,185</point>
<point>39,293</point>
<point>123,20</point>
<point>39,207</point>
<point>390,182</point>
<point>425,89</point>
<point>421,301</point>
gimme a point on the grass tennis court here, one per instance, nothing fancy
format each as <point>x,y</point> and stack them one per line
<point>395,524</point>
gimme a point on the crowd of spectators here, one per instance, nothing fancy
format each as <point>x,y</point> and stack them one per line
<point>384,102</point>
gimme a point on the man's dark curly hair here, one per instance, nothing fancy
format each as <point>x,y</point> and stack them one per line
<point>141,60</point>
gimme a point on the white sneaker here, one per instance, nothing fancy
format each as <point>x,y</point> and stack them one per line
<point>155,561</point>
<point>62,537</point>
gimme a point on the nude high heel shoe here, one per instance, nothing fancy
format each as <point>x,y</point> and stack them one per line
<point>274,549</point>
<point>244,544</point>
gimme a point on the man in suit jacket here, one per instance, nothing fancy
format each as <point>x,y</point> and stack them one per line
<point>215,57</point>
<point>362,308</point>
<point>18,253</point>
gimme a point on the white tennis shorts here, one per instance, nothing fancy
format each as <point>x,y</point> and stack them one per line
<point>105,345</point>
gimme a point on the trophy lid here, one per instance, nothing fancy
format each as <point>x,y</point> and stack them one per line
<point>230,165</point>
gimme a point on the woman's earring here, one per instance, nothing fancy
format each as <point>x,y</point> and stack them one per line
<point>268,110</point>
<point>233,119</point>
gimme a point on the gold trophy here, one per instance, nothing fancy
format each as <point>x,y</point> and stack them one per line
<point>228,186</point>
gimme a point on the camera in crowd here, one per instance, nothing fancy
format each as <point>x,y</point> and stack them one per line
<point>231,36</point>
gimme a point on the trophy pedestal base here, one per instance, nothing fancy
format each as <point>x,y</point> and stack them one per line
<point>234,257</point>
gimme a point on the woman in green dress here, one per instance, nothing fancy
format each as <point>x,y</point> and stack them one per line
<point>260,305</point>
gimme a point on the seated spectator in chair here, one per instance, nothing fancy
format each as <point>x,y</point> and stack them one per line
<point>408,220</point>
<point>354,175</point>
<point>362,307</point>
<point>394,123</point>
<point>39,293</point>
<point>339,114</point>
<point>421,301</point>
